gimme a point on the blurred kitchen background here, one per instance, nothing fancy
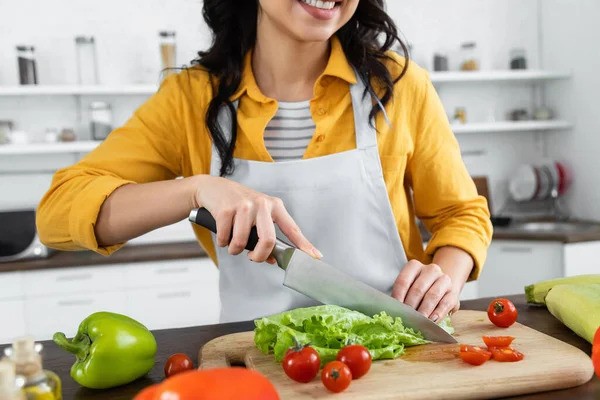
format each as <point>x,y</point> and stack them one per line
<point>519,80</point>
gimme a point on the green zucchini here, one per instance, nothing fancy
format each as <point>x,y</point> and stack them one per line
<point>577,306</point>
<point>536,293</point>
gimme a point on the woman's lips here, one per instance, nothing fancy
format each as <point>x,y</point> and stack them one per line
<point>320,13</point>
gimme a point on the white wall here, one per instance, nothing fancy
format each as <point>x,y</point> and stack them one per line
<point>126,32</point>
<point>571,41</point>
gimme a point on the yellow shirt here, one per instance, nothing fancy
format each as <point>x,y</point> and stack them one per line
<point>167,137</point>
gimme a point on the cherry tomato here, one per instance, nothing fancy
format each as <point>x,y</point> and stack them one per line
<point>357,358</point>
<point>502,313</point>
<point>507,354</point>
<point>474,355</point>
<point>178,363</point>
<point>596,352</point>
<point>301,363</point>
<point>498,341</point>
<point>336,376</point>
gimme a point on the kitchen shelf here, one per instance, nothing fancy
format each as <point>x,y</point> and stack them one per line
<point>497,76</point>
<point>48,148</point>
<point>511,126</point>
<point>73,90</point>
<point>147,89</point>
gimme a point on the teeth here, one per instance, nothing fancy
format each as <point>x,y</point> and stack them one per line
<point>323,5</point>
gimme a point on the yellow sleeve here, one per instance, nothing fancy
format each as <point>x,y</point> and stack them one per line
<point>148,147</point>
<point>445,196</point>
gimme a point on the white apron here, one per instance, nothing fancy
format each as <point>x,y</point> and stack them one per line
<point>342,206</point>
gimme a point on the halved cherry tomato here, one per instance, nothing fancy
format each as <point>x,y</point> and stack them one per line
<point>178,363</point>
<point>474,355</point>
<point>596,352</point>
<point>502,313</point>
<point>336,376</point>
<point>498,341</point>
<point>357,358</point>
<point>301,363</point>
<point>507,354</point>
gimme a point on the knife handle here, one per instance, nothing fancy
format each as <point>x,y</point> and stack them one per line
<point>204,218</point>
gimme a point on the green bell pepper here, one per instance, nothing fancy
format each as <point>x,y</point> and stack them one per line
<point>111,350</point>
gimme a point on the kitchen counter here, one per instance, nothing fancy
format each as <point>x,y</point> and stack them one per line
<point>190,340</point>
<point>192,249</point>
<point>127,254</point>
<point>507,233</point>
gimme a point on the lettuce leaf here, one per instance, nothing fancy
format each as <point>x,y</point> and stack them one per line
<point>328,328</point>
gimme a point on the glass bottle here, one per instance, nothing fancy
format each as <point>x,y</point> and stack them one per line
<point>27,65</point>
<point>518,59</point>
<point>87,70</point>
<point>40,384</point>
<point>167,51</point>
<point>10,385</point>
<point>100,120</point>
<point>470,60</point>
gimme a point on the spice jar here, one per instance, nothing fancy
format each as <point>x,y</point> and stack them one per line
<point>67,135</point>
<point>27,65</point>
<point>470,60</point>
<point>460,115</point>
<point>86,60</point>
<point>440,62</point>
<point>518,59</point>
<point>167,51</point>
<point>101,120</point>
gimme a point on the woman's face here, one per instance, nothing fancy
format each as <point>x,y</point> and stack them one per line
<point>307,20</point>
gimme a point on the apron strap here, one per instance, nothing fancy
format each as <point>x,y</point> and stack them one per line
<point>366,135</point>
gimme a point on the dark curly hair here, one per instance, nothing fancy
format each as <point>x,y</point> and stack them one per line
<point>233,25</point>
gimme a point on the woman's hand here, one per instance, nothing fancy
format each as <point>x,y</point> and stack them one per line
<point>427,289</point>
<point>237,209</point>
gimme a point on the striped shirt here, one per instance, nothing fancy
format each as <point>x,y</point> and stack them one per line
<point>290,131</point>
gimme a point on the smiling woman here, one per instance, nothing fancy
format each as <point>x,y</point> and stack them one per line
<point>287,121</point>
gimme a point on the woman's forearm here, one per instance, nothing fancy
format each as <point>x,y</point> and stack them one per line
<point>135,209</point>
<point>455,263</point>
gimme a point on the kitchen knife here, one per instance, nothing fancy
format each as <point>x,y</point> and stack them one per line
<point>328,285</point>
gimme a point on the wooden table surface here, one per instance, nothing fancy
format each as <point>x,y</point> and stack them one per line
<point>189,341</point>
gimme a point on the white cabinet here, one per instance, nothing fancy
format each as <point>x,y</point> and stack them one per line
<point>13,319</point>
<point>512,265</point>
<point>162,294</point>
<point>582,258</point>
<point>64,313</point>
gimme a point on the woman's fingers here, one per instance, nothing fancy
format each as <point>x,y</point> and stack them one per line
<point>266,234</point>
<point>242,224</point>
<point>405,279</point>
<point>434,295</point>
<point>291,230</point>
<point>448,302</point>
<point>224,221</point>
<point>429,274</point>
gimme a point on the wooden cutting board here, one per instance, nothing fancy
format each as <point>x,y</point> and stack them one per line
<point>430,371</point>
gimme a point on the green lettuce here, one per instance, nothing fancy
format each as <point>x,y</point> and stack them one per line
<point>328,328</point>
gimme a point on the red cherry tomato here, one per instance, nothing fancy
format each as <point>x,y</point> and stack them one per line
<point>474,355</point>
<point>596,352</point>
<point>506,354</point>
<point>178,363</point>
<point>498,341</point>
<point>336,376</point>
<point>502,313</point>
<point>301,363</point>
<point>357,358</point>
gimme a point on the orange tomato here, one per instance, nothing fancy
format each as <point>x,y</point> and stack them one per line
<point>212,384</point>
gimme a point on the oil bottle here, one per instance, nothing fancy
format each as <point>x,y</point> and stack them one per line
<point>10,385</point>
<point>40,384</point>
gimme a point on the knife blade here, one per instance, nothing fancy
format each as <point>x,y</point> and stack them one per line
<point>328,285</point>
